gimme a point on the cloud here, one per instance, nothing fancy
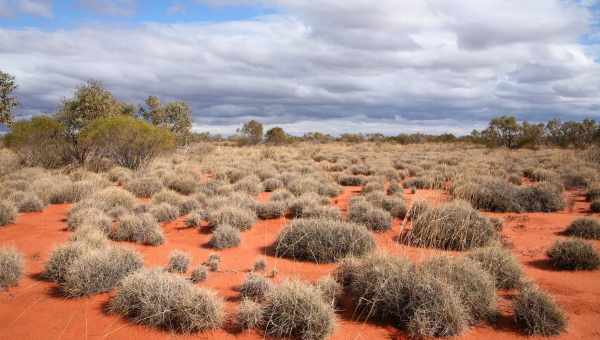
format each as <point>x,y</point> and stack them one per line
<point>176,8</point>
<point>338,66</point>
<point>36,8</point>
<point>111,7</point>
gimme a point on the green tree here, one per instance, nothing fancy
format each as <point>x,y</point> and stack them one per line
<point>276,136</point>
<point>502,131</point>
<point>175,116</point>
<point>251,133</point>
<point>38,142</point>
<point>128,141</point>
<point>7,100</point>
<point>531,135</point>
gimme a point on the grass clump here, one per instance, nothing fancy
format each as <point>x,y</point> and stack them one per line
<point>270,210</point>
<point>330,289</point>
<point>296,310</point>
<point>164,212</point>
<point>323,240</point>
<point>196,218</point>
<point>142,228</point>
<point>362,212</point>
<point>351,181</point>
<point>144,187</point>
<point>99,271</point>
<point>11,267</point>
<point>454,226</point>
<point>587,228</point>
<point>501,264</point>
<point>237,217</point>
<point>536,313</point>
<point>90,235</point>
<point>213,262</point>
<point>113,197</point>
<point>573,254</point>
<point>167,301</point>
<point>8,212</point>
<point>249,315</point>
<point>89,216</point>
<point>178,262</point>
<point>199,274</point>
<point>260,265</point>
<point>225,236</point>
<point>255,287</point>
<point>61,258</point>
<point>595,206</point>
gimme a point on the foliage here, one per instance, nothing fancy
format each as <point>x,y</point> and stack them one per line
<point>251,133</point>
<point>39,141</point>
<point>7,100</point>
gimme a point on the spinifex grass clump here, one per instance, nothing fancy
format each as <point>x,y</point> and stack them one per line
<point>585,227</point>
<point>323,240</point>
<point>297,310</point>
<point>144,187</point>
<point>255,287</point>
<point>363,212</point>
<point>141,228</point>
<point>501,264</point>
<point>240,218</point>
<point>573,254</point>
<point>536,313</point>
<point>162,300</point>
<point>455,225</point>
<point>11,267</point>
<point>8,212</point>
<point>178,262</point>
<point>225,236</point>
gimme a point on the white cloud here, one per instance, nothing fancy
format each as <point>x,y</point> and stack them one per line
<point>36,8</point>
<point>111,7</point>
<point>332,66</point>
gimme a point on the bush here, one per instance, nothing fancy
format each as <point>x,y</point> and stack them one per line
<point>239,218</point>
<point>573,254</point>
<point>255,287</point>
<point>473,285</point>
<point>455,225</point>
<point>166,301</point>
<point>272,184</point>
<point>595,206</point>
<point>536,313</point>
<point>90,236</point>
<point>587,228</point>
<point>501,264</point>
<point>249,315</point>
<point>270,210</point>
<point>213,262</point>
<point>114,197</point>
<point>144,187</point>
<point>396,206</point>
<point>183,203</point>
<point>8,212</point>
<point>593,194</point>
<point>195,218</point>
<point>351,181</point>
<point>362,212</point>
<point>330,289</point>
<point>249,184</point>
<point>91,217</point>
<point>281,195</point>
<point>143,229</point>
<point>164,212</point>
<point>99,271</point>
<point>297,310</point>
<point>11,267</point>
<point>38,142</point>
<point>178,262</point>
<point>127,141</point>
<point>61,259</point>
<point>260,265</point>
<point>542,197</point>
<point>199,274</point>
<point>225,236</point>
<point>322,240</point>
<point>183,184</point>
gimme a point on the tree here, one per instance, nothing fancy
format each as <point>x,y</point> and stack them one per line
<point>175,116</point>
<point>7,100</point>
<point>276,136</point>
<point>91,101</point>
<point>502,131</point>
<point>251,133</point>
<point>530,135</point>
<point>128,141</point>
<point>38,142</point>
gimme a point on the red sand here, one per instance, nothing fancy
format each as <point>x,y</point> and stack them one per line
<point>34,310</point>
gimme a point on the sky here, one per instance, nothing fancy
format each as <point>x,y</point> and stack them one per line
<point>336,66</point>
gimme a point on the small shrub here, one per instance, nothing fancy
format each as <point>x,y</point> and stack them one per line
<point>239,218</point>
<point>91,217</point>
<point>593,194</point>
<point>183,184</point>
<point>330,289</point>
<point>351,181</point>
<point>573,254</point>
<point>249,315</point>
<point>542,197</point>
<point>455,225</point>
<point>91,236</point>
<point>595,206</point>
<point>417,209</point>
<point>473,285</point>
<point>11,267</point>
<point>270,210</point>
<point>260,265</point>
<point>587,228</point>
<point>255,287</point>
<point>61,259</point>
<point>119,174</point>
<point>225,236</point>
<point>113,197</point>
<point>396,206</point>
<point>199,274</point>
<point>394,188</point>
<point>297,310</point>
<point>144,187</point>
<point>501,264</point>
<point>536,313</point>
<point>362,212</point>
<point>272,184</point>
<point>249,184</point>
<point>213,262</point>
<point>178,262</point>
<point>167,301</point>
<point>195,218</point>
<point>164,212</point>
<point>184,204</point>
<point>320,212</point>
<point>8,212</point>
<point>30,203</point>
<point>322,240</point>
<point>99,271</point>
<point>143,229</point>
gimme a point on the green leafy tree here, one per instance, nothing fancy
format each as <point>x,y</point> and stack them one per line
<point>8,101</point>
<point>530,135</point>
<point>38,142</point>
<point>502,131</point>
<point>128,141</point>
<point>251,133</point>
<point>175,116</point>
<point>276,136</point>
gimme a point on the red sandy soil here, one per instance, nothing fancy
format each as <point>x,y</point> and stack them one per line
<point>34,309</point>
